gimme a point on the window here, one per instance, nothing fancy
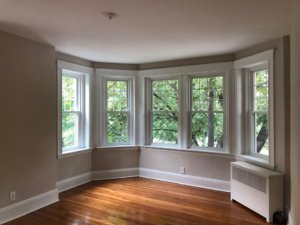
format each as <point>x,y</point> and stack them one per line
<point>117,112</point>
<point>207,112</point>
<point>255,105</point>
<point>164,112</point>
<point>71,109</point>
<point>74,107</point>
<point>259,111</point>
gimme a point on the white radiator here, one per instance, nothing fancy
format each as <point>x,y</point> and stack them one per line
<point>259,189</point>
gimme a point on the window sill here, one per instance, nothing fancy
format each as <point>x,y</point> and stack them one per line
<point>257,161</point>
<point>74,152</point>
<point>191,150</point>
<point>117,147</point>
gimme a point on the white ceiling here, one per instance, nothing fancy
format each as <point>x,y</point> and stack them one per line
<point>146,30</point>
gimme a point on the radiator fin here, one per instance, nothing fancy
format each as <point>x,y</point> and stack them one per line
<point>250,179</point>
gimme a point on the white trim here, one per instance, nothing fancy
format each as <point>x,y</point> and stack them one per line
<point>115,173</point>
<point>86,77</point>
<point>74,67</point>
<point>190,151</point>
<point>203,182</point>
<point>183,70</point>
<point>102,75</point>
<point>27,206</point>
<point>72,182</point>
<point>254,60</point>
<point>75,152</point>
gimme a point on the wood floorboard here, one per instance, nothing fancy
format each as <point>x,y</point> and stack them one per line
<point>140,201</point>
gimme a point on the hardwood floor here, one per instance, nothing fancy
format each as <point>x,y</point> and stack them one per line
<point>136,201</point>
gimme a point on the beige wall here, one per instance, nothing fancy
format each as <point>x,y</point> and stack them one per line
<point>295,116</point>
<point>28,118</point>
<point>74,165</point>
<point>196,163</point>
<point>115,158</point>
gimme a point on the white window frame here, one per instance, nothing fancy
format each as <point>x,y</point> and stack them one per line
<point>183,74</point>
<point>245,68</point>
<point>225,118</point>
<point>84,77</point>
<point>102,76</point>
<point>149,113</point>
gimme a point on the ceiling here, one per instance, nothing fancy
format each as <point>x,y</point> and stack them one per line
<point>146,30</point>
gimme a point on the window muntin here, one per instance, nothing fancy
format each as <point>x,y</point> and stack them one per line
<point>164,112</point>
<point>117,112</point>
<point>260,112</point>
<point>71,110</point>
<point>207,112</point>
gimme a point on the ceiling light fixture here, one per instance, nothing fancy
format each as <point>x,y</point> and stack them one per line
<point>110,15</point>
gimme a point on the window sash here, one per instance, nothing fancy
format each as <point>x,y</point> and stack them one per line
<point>153,112</point>
<point>127,115</point>
<point>78,111</point>
<point>193,112</point>
<point>126,112</point>
<point>253,114</point>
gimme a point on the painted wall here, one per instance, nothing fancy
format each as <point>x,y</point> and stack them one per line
<point>208,165</point>
<point>115,158</point>
<point>28,118</point>
<point>295,115</point>
<point>71,166</point>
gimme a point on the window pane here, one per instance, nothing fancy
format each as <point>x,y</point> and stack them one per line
<point>164,111</point>
<point>261,91</point>
<point>69,130</point>
<point>116,95</point>
<point>207,92</point>
<point>70,93</point>
<point>117,129</point>
<point>165,128</point>
<point>165,95</point>
<point>262,133</point>
<point>207,112</point>
<point>207,129</point>
<point>261,108</point>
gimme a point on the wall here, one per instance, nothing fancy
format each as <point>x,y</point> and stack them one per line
<point>115,158</point>
<point>28,118</point>
<point>207,165</point>
<point>295,118</point>
<point>73,165</point>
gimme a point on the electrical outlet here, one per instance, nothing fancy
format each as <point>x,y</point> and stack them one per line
<point>182,170</point>
<point>12,196</point>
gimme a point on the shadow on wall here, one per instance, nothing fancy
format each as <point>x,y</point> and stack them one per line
<point>21,30</point>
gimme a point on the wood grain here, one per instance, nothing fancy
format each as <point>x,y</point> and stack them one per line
<point>136,201</point>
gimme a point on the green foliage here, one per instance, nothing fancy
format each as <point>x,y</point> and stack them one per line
<point>116,112</point>
<point>261,105</point>
<point>69,116</point>
<point>207,107</point>
<point>164,111</point>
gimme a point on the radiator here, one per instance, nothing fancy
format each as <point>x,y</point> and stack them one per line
<point>259,189</point>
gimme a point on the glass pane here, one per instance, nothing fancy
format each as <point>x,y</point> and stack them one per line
<point>261,91</point>
<point>117,129</point>
<point>165,128</point>
<point>116,95</point>
<point>70,93</point>
<point>69,130</point>
<point>165,95</point>
<point>207,129</point>
<point>262,133</point>
<point>207,94</point>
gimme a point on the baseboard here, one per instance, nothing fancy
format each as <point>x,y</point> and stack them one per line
<point>195,181</point>
<point>27,206</point>
<point>72,182</point>
<point>114,174</point>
